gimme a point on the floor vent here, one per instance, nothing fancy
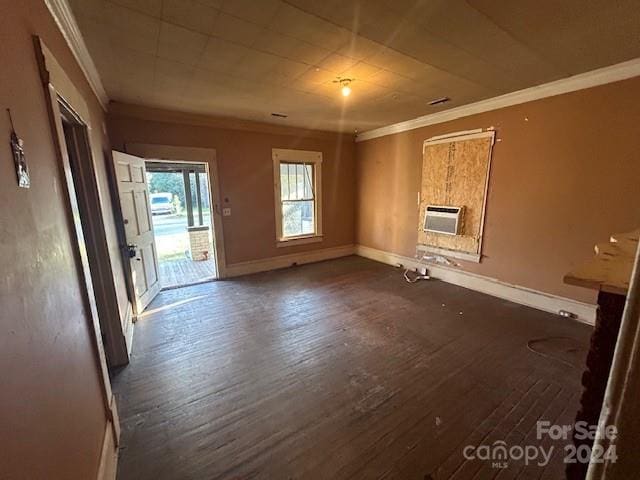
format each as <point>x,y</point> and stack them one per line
<point>439,101</point>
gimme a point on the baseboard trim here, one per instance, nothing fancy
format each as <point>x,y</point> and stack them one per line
<point>284,261</point>
<point>584,312</point>
<point>108,466</point>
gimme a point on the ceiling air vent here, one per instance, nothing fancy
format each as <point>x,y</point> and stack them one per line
<point>440,219</point>
<point>439,101</point>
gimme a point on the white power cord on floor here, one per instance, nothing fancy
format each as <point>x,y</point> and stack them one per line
<point>416,278</point>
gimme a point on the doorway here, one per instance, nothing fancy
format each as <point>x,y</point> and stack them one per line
<point>137,221</point>
<point>180,200</point>
<point>69,121</point>
<point>81,182</point>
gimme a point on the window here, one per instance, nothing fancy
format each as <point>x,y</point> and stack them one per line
<point>297,193</point>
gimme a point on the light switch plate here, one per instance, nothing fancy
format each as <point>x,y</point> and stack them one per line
<point>226,212</point>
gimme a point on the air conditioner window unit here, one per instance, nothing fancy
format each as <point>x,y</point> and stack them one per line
<point>443,219</point>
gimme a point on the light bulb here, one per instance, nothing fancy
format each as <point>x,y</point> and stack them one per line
<point>346,90</point>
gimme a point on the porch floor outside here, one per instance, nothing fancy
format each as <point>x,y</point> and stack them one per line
<point>177,273</point>
<point>177,268</point>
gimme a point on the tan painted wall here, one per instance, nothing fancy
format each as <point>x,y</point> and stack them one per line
<point>246,173</point>
<point>563,177</point>
<point>52,418</point>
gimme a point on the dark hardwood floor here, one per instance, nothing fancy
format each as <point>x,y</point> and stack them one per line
<point>341,370</point>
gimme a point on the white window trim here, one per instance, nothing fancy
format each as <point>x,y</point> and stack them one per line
<point>297,156</point>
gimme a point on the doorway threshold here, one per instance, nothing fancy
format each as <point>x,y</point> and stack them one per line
<point>190,284</point>
<point>184,272</point>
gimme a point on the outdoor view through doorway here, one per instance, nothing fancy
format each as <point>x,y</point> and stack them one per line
<point>181,210</point>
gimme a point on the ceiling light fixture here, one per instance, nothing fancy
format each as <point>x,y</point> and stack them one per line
<point>345,85</point>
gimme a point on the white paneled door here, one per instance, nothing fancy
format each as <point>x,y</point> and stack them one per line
<point>138,226</point>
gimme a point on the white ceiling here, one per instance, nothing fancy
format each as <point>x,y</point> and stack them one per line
<point>249,58</point>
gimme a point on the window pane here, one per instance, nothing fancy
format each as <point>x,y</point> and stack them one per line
<point>296,181</point>
<point>300,180</point>
<point>308,181</point>
<point>297,218</point>
<point>284,181</point>
<point>293,194</point>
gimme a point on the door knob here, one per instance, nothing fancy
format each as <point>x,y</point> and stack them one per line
<point>131,250</point>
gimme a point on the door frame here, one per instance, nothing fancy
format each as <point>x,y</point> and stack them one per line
<point>199,156</point>
<point>116,337</point>
<point>116,325</point>
<point>88,230</point>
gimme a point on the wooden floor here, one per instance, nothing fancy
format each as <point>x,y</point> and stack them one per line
<point>176,273</point>
<point>341,370</point>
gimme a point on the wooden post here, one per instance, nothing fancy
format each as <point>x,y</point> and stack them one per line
<point>199,198</point>
<point>187,194</point>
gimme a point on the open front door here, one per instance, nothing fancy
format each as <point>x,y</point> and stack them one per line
<point>138,226</point>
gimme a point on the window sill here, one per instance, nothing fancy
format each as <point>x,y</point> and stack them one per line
<point>290,242</point>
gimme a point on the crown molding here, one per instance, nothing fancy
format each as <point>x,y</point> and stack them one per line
<point>601,76</point>
<point>63,16</point>
<point>158,114</point>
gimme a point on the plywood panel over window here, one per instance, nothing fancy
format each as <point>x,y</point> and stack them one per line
<point>455,173</point>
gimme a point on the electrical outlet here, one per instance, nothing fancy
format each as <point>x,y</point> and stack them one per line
<point>226,212</point>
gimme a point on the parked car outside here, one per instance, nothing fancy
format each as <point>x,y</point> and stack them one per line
<point>162,203</point>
